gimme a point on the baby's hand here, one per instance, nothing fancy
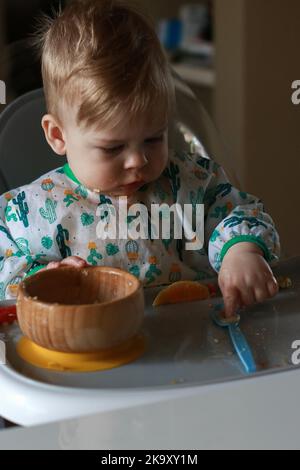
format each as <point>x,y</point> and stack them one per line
<point>245,277</point>
<point>70,261</point>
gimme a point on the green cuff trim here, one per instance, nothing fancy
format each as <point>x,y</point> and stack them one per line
<point>35,270</point>
<point>69,173</point>
<point>247,238</point>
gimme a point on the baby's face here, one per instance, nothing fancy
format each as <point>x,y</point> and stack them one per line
<point>118,160</point>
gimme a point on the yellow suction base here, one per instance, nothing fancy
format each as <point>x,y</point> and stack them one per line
<point>81,362</point>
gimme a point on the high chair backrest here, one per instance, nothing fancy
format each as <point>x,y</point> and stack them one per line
<point>25,155</point>
<point>196,119</point>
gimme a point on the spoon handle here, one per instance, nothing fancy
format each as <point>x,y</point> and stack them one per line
<point>242,348</point>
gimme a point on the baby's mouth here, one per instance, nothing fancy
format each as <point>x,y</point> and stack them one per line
<point>131,188</point>
<point>125,189</point>
<point>136,183</point>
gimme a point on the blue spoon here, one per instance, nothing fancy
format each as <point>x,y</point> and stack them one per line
<point>239,341</point>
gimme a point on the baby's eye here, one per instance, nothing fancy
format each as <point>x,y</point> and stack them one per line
<point>155,140</point>
<point>111,150</point>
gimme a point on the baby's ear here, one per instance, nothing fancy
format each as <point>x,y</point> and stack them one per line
<point>54,134</point>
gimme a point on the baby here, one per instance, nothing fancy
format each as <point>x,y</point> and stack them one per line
<point>110,98</point>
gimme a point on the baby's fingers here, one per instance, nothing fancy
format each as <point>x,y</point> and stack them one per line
<point>248,296</point>
<point>231,302</point>
<point>261,293</point>
<point>74,261</point>
<point>267,290</point>
<point>273,287</point>
<point>70,261</point>
<point>52,265</point>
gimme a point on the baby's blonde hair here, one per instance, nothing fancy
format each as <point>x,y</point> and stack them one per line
<point>105,56</point>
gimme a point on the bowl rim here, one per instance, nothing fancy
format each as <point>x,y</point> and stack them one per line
<point>119,271</point>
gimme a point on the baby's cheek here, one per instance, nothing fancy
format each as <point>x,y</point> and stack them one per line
<point>109,173</point>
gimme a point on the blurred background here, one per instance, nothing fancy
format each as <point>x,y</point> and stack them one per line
<point>239,56</point>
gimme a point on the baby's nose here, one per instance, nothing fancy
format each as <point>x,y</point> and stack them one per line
<point>136,159</point>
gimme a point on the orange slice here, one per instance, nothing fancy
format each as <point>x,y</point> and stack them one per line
<point>182,291</point>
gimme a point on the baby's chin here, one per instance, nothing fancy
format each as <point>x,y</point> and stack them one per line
<point>129,190</point>
<point>124,193</point>
<point>120,192</point>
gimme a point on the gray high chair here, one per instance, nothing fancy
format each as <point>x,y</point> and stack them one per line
<point>25,154</point>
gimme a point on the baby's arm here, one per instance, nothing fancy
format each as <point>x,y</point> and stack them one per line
<point>15,262</point>
<point>17,257</point>
<point>242,241</point>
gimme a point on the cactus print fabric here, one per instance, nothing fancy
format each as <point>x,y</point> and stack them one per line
<point>56,216</point>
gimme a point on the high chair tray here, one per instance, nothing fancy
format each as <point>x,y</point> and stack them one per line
<point>184,351</point>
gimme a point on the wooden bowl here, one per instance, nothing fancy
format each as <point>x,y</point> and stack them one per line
<point>80,310</point>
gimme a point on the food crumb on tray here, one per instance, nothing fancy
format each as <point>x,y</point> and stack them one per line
<point>284,282</point>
